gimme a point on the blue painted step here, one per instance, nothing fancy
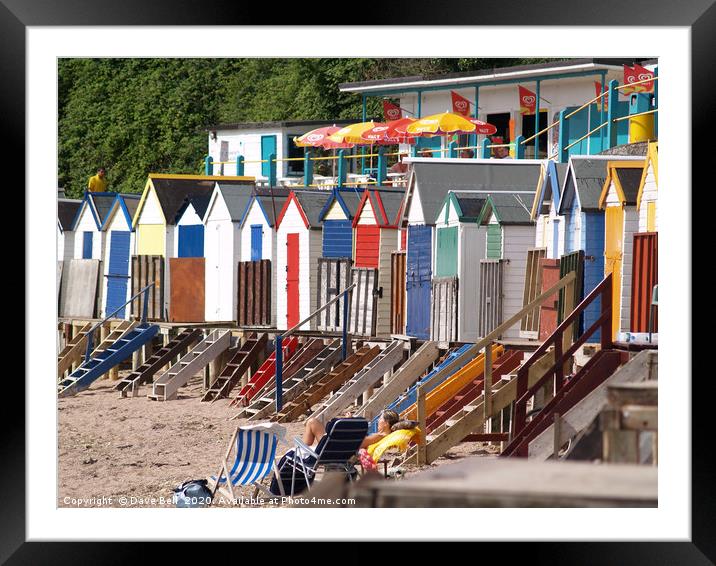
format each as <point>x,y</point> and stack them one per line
<point>408,398</point>
<point>120,350</point>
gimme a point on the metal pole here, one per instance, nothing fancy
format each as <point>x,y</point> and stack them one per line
<point>362,149</point>
<point>145,305</point>
<point>601,114</point>
<point>344,348</point>
<point>537,128</point>
<point>279,373</point>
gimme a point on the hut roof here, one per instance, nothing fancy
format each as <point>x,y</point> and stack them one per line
<point>310,204</point>
<point>436,177</point>
<point>67,211</point>
<point>509,208</point>
<point>348,199</point>
<point>102,203</point>
<point>467,205</point>
<point>236,197</point>
<point>652,158</point>
<point>549,187</point>
<point>386,204</point>
<point>127,203</point>
<point>626,177</point>
<point>268,205</point>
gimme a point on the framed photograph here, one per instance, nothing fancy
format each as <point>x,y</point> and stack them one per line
<point>406,265</point>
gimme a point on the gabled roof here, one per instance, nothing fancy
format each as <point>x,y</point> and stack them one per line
<point>467,205</point>
<point>172,190</point>
<point>127,203</point>
<point>549,187</point>
<point>66,212</point>
<point>235,196</point>
<point>267,204</point>
<point>435,177</point>
<point>386,205</point>
<point>626,176</point>
<point>585,177</point>
<point>310,204</point>
<point>348,199</point>
<point>200,203</point>
<point>509,208</point>
<point>652,158</point>
<point>99,205</point>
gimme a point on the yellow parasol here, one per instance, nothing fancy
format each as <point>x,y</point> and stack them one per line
<point>353,134</point>
<point>441,124</point>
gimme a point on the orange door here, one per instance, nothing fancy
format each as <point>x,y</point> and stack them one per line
<point>613,249</point>
<point>292,281</point>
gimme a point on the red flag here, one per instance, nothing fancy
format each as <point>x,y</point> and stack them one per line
<point>391,111</point>
<point>460,104</point>
<point>528,101</point>
<point>605,98</point>
<point>643,74</point>
<point>632,76</point>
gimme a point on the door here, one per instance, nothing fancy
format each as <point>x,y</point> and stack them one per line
<point>529,326</point>
<point>397,292</point>
<point>549,311</point>
<point>613,246</point>
<point>86,245</point>
<point>334,275</point>
<point>494,241</point>
<point>446,254</point>
<point>645,273</point>
<point>555,238</point>
<point>186,302</point>
<point>364,302</point>
<point>292,281</point>
<point>191,241</point>
<point>418,275</point>
<point>118,273</point>
<point>257,233</point>
<point>268,147</point>
<point>367,246</point>
<point>489,302</point>
<point>337,238</point>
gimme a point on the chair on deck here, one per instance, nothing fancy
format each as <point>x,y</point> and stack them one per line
<point>249,458</point>
<point>297,468</point>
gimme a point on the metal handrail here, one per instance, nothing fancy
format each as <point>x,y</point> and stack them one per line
<point>90,332</point>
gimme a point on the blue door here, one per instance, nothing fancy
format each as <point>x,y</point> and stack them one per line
<point>417,281</point>
<point>337,238</point>
<point>257,235</point>
<point>118,273</point>
<point>555,238</point>
<point>191,240</point>
<point>86,245</point>
<point>268,146</point>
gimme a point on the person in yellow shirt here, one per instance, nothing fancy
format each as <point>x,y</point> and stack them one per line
<point>98,183</point>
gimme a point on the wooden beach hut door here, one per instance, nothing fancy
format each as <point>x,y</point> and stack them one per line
<point>613,246</point>
<point>334,275</point>
<point>417,281</point>
<point>645,273</point>
<point>549,311</point>
<point>397,292</point>
<point>186,284</point>
<point>490,298</point>
<point>292,280</point>
<point>364,302</point>
<point>118,273</point>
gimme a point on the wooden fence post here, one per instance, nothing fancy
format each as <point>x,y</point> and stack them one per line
<point>422,445</point>
<point>487,387</point>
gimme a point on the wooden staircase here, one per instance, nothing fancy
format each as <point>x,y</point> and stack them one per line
<point>301,378</point>
<point>104,359</point>
<point>263,375</point>
<point>237,366</point>
<point>326,384</point>
<point>73,352</point>
<point>165,387</point>
<point>186,339</point>
<point>384,362</point>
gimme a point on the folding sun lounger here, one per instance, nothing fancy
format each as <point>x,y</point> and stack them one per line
<point>297,468</point>
<point>253,452</point>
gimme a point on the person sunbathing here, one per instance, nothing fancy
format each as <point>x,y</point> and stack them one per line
<point>314,430</point>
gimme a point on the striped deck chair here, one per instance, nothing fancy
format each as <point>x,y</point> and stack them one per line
<point>249,458</point>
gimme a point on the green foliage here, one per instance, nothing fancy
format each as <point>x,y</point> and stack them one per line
<point>140,116</point>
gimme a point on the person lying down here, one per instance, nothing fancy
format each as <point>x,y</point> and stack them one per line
<point>314,430</point>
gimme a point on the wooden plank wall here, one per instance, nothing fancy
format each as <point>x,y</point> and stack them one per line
<point>549,311</point>
<point>529,327</point>
<point>334,275</point>
<point>187,292</point>
<point>363,302</point>
<point>78,291</point>
<point>397,292</point>
<point>444,309</point>
<point>568,263</point>
<point>254,293</point>
<point>148,269</point>
<point>490,303</point>
<point>645,275</point>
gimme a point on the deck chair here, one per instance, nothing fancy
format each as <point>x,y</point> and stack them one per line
<point>298,467</point>
<point>249,458</point>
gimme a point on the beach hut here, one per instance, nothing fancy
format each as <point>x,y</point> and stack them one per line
<point>298,247</point>
<point>119,245</point>
<point>89,237</point>
<point>621,222</point>
<point>67,210</point>
<point>584,222</point>
<point>257,282</point>
<point>375,226</point>
<point>459,247</point>
<point>429,181</point>
<point>155,227</point>
<point>510,233</point>
<point>549,224</point>
<point>646,199</point>
<point>222,248</point>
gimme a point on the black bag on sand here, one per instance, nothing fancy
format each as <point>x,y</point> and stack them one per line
<point>192,493</point>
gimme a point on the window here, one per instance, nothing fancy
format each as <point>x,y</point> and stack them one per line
<point>294,167</point>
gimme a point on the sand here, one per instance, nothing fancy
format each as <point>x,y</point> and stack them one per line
<point>131,452</point>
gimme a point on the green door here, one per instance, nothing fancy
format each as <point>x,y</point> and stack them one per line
<point>494,241</point>
<point>446,259</point>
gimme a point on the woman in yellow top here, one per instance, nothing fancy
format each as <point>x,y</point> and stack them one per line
<point>97,183</point>
<point>314,429</point>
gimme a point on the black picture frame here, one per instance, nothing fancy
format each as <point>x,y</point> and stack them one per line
<point>700,16</point>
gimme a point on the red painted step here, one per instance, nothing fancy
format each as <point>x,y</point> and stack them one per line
<point>503,365</point>
<point>265,373</point>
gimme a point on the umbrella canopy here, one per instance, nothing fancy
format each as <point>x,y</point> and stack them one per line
<point>320,138</point>
<point>386,134</point>
<point>483,127</point>
<point>352,133</point>
<point>441,124</point>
